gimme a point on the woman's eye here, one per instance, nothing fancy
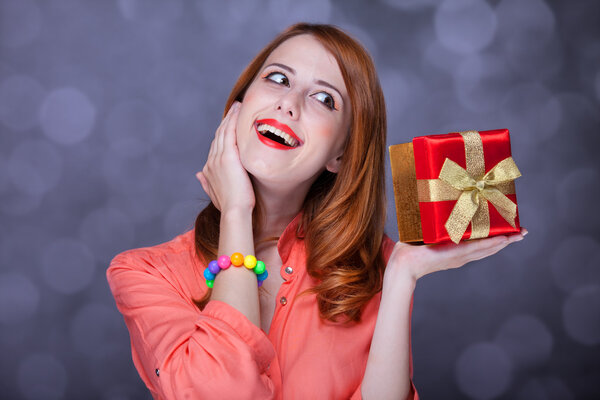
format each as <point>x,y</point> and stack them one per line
<point>278,77</point>
<point>326,99</point>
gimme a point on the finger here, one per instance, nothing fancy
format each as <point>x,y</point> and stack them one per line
<point>229,138</point>
<point>221,129</point>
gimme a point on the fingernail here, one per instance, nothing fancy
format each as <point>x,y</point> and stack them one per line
<point>525,232</point>
<point>198,175</point>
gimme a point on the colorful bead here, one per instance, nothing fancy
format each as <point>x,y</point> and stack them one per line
<point>237,259</point>
<point>250,262</point>
<point>224,262</point>
<point>208,275</point>
<point>260,267</point>
<point>213,266</point>
<point>262,276</point>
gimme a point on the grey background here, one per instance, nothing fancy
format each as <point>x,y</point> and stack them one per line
<point>107,109</point>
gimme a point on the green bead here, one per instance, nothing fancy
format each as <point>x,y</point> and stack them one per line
<point>210,283</point>
<point>260,267</point>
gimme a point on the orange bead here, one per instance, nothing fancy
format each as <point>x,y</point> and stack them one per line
<point>237,259</point>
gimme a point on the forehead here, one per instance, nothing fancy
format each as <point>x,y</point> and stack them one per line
<point>305,54</point>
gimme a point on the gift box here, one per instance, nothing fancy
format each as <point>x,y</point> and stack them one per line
<point>455,186</point>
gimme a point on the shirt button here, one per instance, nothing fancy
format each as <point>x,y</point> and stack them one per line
<point>283,300</point>
<point>288,270</point>
<point>157,372</point>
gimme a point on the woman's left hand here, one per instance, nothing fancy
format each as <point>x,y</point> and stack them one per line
<point>415,262</point>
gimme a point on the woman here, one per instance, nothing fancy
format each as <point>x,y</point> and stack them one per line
<point>295,175</point>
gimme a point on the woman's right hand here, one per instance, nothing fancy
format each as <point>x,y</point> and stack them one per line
<point>223,177</point>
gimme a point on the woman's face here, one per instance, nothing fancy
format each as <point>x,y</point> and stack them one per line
<point>295,115</point>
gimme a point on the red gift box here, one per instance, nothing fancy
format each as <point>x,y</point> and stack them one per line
<point>464,185</point>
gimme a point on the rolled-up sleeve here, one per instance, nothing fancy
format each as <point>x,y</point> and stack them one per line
<point>181,352</point>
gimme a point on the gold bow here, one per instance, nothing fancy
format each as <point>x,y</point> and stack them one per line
<point>475,193</point>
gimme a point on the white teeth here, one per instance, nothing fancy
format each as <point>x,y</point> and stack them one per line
<point>288,139</point>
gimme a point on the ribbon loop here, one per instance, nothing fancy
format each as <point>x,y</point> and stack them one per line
<point>477,190</point>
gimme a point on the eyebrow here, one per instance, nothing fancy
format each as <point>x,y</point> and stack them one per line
<point>319,81</point>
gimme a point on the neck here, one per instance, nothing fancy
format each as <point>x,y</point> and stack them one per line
<point>279,207</point>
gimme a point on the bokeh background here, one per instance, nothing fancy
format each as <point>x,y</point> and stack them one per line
<point>107,110</point>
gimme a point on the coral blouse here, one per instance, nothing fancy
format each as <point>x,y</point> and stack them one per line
<point>181,352</point>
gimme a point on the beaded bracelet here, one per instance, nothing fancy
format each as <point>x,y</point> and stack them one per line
<point>237,260</point>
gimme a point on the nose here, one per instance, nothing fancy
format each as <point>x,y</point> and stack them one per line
<point>289,104</point>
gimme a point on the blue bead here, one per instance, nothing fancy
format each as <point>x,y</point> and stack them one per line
<point>209,276</point>
<point>213,266</point>
<point>262,276</point>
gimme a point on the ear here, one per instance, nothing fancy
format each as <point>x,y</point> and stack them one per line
<point>334,164</point>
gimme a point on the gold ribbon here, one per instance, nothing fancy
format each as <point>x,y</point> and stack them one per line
<point>473,188</point>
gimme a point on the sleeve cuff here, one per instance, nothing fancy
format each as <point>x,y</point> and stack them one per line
<point>264,351</point>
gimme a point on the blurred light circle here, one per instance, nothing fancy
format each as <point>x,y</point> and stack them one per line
<point>17,203</point>
<point>580,315</point>
<point>465,26</point>
<point>67,265</point>
<point>597,85</point>
<point>96,331</point>
<point>19,298</point>
<point>178,88</point>
<point>42,376</point>
<point>579,184</point>
<point>133,128</point>
<point>545,388</point>
<point>441,58</point>
<point>411,5</point>
<point>151,11</point>
<point>478,80</point>
<point>180,218</point>
<point>533,112</point>
<point>20,100</point>
<point>67,116</point>
<point>526,340</point>
<point>17,248</point>
<point>519,18</point>
<point>526,30</point>
<point>228,18</point>
<point>533,217</point>
<point>4,181</point>
<point>131,176</point>
<point>396,90</point>
<point>107,231</point>
<point>35,167</point>
<point>571,263</point>
<point>483,371</point>
<point>20,22</point>
<point>282,13</point>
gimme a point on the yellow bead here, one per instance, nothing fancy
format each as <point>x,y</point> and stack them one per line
<point>237,259</point>
<point>250,262</point>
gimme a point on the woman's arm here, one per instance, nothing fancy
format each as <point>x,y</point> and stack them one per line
<point>228,185</point>
<point>387,374</point>
<point>388,367</point>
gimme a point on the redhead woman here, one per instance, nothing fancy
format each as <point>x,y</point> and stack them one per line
<point>320,304</point>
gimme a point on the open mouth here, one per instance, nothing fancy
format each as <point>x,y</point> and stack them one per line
<point>271,134</point>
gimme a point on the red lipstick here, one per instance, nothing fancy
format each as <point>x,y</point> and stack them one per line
<point>278,125</point>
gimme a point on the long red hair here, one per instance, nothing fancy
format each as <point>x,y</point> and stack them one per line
<point>344,213</point>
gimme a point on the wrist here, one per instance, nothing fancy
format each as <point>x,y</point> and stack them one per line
<point>237,214</point>
<point>399,277</point>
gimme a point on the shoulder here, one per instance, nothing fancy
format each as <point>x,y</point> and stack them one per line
<point>174,261</point>
<point>387,245</point>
